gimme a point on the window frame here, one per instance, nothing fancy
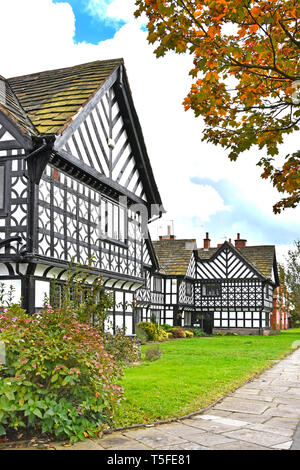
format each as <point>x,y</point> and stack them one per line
<point>210,284</point>
<point>155,279</point>
<point>104,234</point>
<point>189,288</point>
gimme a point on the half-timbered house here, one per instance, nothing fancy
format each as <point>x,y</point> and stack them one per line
<point>74,174</point>
<point>172,287</point>
<point>234,286</point>
<point>224,288</point>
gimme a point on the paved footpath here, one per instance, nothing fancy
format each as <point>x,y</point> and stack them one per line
<point>262,414</point>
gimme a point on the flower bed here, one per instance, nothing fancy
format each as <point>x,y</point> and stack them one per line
<point>152,332</point>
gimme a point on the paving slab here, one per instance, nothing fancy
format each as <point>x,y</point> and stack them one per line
<point>154,437</point>
<point>262,438</point>
<point>114,440</point>
<point>239,445</point>
<point>282,422</point>
<point>209,439</point>
<point>284,446</point>
<point>296,439</point>
<point>250,406</point>
<point>264,397</point>
<point>220,419</point>
<point>250,418</point>
<point>187,446</point>
<point>281,431</point>
<point>213,426</point>
<point>284,411</point>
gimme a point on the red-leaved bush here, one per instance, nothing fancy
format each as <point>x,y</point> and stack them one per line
<point>178,333</point>
<point>57,377</point>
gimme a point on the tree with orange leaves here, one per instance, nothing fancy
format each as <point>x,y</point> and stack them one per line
<point>246,74</point>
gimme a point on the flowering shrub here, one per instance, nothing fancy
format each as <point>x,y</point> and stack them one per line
<point>150,329</point>
<point>166,327</point>
<point>57,377</point>
<point>123,348</point>
<point>153,331</point>
<point>178,333</point>
<point>162,334</point>
<point>189,334</point>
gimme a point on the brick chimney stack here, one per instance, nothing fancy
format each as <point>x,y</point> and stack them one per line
<point>240,242</point>
<point>169,236</point>
<point>206,242</point>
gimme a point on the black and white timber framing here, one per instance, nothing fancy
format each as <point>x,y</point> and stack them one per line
<point>217,289</point>
<point>60,200</point>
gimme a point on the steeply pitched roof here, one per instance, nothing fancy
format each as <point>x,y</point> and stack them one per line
<point>174,255</point>
<point>11,107</point>
<point>260,257</point>
<point>52,98</point>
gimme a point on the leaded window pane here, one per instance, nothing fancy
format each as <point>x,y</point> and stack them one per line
<point>211,289</point>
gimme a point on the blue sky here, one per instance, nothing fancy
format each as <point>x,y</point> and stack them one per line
<point>246,217</point>
<point>89,27</point>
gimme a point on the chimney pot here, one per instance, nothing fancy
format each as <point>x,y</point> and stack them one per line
<point>168,236</point>
<point>206,242</point>
<point>239,242</point>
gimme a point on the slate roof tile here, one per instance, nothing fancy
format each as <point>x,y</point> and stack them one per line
<point>51,98</point>
<point>174,255</point>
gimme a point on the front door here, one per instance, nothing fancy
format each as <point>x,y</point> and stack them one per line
<point>208,323</point>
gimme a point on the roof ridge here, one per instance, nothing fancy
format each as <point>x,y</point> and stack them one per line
<point>119,60</point>
<point>175,240</point>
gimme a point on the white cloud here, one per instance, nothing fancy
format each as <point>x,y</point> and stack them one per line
<point>112,11</point>
<point>42,38</point>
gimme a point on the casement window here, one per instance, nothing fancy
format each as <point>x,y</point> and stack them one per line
<point>268,292</point>
<point>188,288</point>
<point>2,187</point>
<point>155,315</point>
<point>138,315</point>
<point>157,284</point>
<point>211,289</point>
<point>113,221</point>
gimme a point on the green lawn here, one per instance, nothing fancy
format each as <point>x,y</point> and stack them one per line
<point>193,373</point>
